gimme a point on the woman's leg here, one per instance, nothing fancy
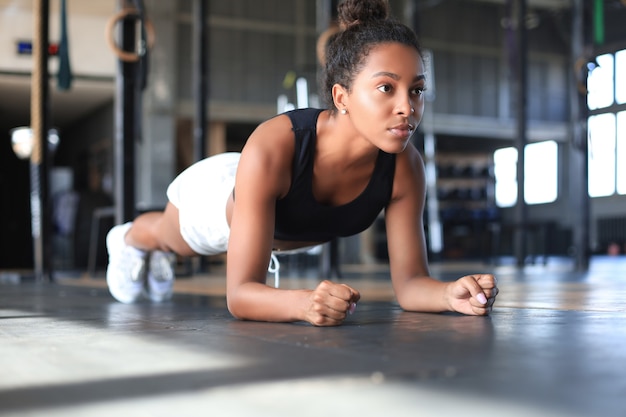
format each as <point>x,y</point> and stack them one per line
<point>159,231</point>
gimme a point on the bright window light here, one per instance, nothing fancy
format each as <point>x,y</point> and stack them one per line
<point>540,174</point>
<point>505,169</point>
<point>620,78</point>
<point>600,83</point>
<point>621,152</point>
<point>601,155</point>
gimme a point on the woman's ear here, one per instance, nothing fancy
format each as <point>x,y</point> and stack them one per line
<point>340,97</point>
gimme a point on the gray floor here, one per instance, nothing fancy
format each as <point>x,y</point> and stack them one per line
<point>554,346</point>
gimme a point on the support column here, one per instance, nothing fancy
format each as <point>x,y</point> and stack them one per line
<point>157,147</point>
<point>41,222</point>
<point>201,78</point>
<point>125,125</point>
<point>217,134</point>
<point>521,215</point>
<point>579,168</point>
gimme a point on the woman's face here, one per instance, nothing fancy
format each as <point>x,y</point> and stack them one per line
<point>387,101</point>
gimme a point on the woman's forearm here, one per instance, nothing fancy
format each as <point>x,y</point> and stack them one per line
<point>259,302</point>
<point>423,294</point>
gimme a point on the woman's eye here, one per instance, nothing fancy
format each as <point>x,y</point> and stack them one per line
<point>384,88</point>
<point>419,91</point>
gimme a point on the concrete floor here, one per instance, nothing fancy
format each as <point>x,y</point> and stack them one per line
<point>555,345</point>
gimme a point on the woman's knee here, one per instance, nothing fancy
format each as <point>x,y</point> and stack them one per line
<point>143,234</point>
<point>168,230</point>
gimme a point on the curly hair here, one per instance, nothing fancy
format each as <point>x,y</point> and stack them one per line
<point>365,24</point>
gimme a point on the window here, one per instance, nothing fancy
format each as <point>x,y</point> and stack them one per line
<point>540,174</point>
<point>621,152</point>
<point>601,155</point>
<point>600,83</point>
<point>620,79</point>
<point>606,100</point>
<point>505,163</point>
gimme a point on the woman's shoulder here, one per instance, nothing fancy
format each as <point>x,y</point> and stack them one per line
<point>296,119</point>
<point>279,130</point>
<point>268,154</point>
<point>411,158</point>
<point>410,171</point>
<point>276,124</point>
<point>270,134</point>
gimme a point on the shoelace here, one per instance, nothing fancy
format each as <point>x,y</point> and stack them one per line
<point>161,265</point>
<point>137,268</point>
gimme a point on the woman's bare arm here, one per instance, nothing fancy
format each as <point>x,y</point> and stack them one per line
<point>263,176</point>
<point>414,288</point>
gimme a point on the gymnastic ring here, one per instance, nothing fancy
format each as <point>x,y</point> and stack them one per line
<point>110,38</point>
<point>322,43</point>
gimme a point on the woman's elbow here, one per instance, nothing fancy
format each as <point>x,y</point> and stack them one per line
<point>404,303</point>
<point>235,305</point>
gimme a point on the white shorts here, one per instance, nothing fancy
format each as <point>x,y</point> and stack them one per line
<point>200,193</point>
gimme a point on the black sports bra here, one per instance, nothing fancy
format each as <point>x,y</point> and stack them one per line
<point>299,217</point>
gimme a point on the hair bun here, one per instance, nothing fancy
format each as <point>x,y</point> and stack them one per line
<point>352,12</point>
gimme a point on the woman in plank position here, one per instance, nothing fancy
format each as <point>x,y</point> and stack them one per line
<point>304,178</point>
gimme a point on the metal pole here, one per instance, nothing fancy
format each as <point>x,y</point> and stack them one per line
<point>521,215</point>
<point>579,148</point>
<point>125,126</point>
<point>39,161</point>
<point>201,79</point>
<point>201,89</point>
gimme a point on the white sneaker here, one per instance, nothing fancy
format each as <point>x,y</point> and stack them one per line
<point>127,266</point>
<point>160,281</point>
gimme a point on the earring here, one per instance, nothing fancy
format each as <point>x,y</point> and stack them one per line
<point>344,111</point>
<point>412,110</point>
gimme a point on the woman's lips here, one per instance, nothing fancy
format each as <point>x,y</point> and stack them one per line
<point>403,130</point>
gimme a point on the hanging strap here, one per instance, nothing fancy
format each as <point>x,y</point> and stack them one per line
<point>274,268</point>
